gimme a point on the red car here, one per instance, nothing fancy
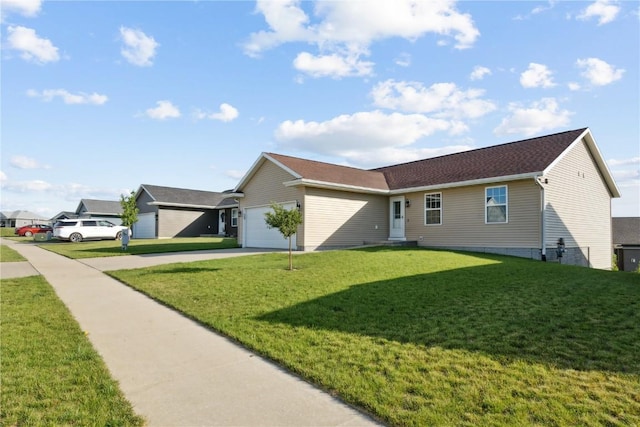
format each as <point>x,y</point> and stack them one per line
<point>31,229</point>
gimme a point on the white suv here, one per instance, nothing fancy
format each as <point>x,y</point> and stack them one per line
<point>77,230</point>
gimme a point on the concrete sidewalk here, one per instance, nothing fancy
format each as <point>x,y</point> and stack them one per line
<point>175,372</point>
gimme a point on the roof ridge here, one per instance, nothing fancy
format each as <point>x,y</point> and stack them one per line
<point>480,149</point>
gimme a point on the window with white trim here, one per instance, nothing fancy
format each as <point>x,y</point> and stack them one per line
<point>234,217</point>
<point>433,209</point>
<point>496,205</point>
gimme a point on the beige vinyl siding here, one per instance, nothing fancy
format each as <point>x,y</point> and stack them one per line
<point>340,219</point>
<point>579,207</point>
<point>267,186</point>
<point>463,218</point>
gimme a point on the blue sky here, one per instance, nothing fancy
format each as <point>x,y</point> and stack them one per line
<point>99,97</point>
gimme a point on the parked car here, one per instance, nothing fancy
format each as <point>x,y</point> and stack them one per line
<point>77,230</point>
<point>31,229</point>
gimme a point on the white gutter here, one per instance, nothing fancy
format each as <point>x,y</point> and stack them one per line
<point>334,186</point>
<point>467,183</point>
<point>543,215</point>
<point>183,205</point>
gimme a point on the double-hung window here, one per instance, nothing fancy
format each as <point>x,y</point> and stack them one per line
<point>234,217</point>
<point>496,205</point>
<point>433,209</point>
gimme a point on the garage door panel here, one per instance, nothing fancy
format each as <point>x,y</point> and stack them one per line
<point>258,235</point>
<point>145,227</point>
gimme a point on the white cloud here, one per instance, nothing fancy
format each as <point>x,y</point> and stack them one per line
<point>543,115</point>
<point>333,65</point>
<point>3,177</point>
<point>32,47</point>
<point>365,137</point>
<point>403,59</point>
<point>598,72</point>
<point>139,48</point>
<point>235,174</point>
<point>605,10</point>
<point>537,75</point>
<point>346,29</point>
<point>574,86</point>
<point>624,162</point>
<point>68,97</point>
<point>24,162</point>
<point>26,186</point>
<point>164,110</point>
<point>479,73</point>
<point>444,100</point>
<point>227,113</point>
<point>29,8</point>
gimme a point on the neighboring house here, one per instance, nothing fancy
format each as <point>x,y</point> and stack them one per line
<point>100,209</point>
<point>178,212</point>
<point>63,215</point>
<point>626,242</point>
<point>19,218</point>
<point>518,199</point>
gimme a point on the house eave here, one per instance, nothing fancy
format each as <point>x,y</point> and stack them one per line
<point>334,186</point>
<point>181,205</point>
<point>482,181</point>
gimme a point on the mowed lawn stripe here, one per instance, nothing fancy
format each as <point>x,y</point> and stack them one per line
<point>422,337</point>
<point>51,375</point>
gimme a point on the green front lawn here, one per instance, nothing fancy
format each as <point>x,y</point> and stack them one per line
<point>51,375</point>
<point>419,337</point>
<point>8,254</point>
<point>104,248</point>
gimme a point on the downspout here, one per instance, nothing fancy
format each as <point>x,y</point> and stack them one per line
<point>543,211</point>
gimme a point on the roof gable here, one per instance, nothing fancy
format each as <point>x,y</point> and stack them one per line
<point>100,207</point>
<point>319,172</point>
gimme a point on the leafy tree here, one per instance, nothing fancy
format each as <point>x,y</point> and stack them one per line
<point>285,220</point>
<point>130,211</point>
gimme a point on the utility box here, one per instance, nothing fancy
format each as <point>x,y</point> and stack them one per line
<point>42,237</point>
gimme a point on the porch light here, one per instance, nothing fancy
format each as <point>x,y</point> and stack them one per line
<point>407,203</point>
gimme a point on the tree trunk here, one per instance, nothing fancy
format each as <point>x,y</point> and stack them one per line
<point>290,255</point>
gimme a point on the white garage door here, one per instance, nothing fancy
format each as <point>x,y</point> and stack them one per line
<point>145,227</point>
<point>258,235</point>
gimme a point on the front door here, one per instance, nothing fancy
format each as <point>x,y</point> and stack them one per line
<point>221,223</point>
<point>396,218</point>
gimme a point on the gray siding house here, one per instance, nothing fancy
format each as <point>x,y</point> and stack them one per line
<point>626,242</point>
<point>167,212</point>
<point>518,198</point>
<point>111,210</point>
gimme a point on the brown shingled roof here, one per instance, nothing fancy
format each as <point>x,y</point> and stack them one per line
<point>514,158</point>
<point>330,173</point>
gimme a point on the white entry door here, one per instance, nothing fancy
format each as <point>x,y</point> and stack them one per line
<point>221,223</point>
<point>396,218</point>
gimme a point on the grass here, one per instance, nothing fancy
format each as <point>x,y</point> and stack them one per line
<point>105,248</point>
<point>51,375</point>
<point>8,254</point>
<point>419,337</point>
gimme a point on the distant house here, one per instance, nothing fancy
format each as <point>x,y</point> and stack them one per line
<point>626,242</point>
<point>63,215</point>
<point>103,209</point>
<point>178,212</point>
<point>20,217</point>
<point>518,199</point>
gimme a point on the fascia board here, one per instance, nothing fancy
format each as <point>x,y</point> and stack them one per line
<point>181,205</point>
<point>334,186</point>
